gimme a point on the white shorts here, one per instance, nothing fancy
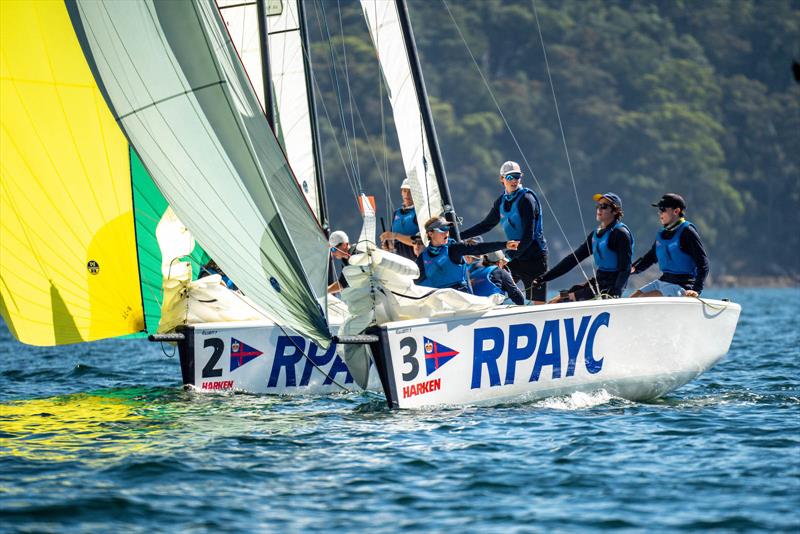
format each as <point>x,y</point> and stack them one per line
<point>666,289</point>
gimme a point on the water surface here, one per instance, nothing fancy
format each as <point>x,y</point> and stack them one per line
<point>100,437</point>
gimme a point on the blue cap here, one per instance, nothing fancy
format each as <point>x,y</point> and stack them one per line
<point>611,197</point>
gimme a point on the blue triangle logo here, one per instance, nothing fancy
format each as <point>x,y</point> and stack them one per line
<point>436,355</point>
<point>242,353</point>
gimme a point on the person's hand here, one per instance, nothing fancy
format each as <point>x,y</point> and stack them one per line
<point>512,245</point>
<point>633,269</point>
<point>537,282</point>
<point>691,293</point>
<point>386,236</point>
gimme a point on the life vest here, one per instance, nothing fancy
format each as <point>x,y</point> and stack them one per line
<point>405,221</point>
<point>482,285</point>
<point>440,271</point>
<point>671,259</point>
<point>511,220</point>
<point>604,258</point>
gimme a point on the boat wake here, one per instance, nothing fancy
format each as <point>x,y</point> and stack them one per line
<point>578,400</point>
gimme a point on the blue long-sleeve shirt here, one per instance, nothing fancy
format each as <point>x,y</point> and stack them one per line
<point>612,281</point>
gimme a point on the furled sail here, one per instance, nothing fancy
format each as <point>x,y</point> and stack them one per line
<point>384,28</point>
<point>178,90</point>
<point>291,83</point>
<point>79,260</point>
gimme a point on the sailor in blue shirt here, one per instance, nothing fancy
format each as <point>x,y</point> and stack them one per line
<point>679,252</point>
<point>611,245</point>
<point>405,228</point>
<point>442,265</point>
<point>518,211</point>
<point>489,277</point>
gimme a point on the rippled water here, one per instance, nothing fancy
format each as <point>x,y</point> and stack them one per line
<point>101,437</point>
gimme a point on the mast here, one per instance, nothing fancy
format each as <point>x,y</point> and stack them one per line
<point>261,9</point>
<point>319,172</point>
<point>427,116</point>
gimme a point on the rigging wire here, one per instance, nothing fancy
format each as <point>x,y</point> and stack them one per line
<point>595,290</point>
<point>349,91</point>
<point>343,120</point>
<point>511,132</point>
<point>356,184</point>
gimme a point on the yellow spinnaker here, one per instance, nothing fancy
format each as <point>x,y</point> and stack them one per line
<point>68,265</point>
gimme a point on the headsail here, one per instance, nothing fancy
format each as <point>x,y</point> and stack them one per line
<point>77,261</point>
<point>179,92</point>
<point>384,27</point>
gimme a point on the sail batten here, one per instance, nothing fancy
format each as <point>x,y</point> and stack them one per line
<point>210,150</point>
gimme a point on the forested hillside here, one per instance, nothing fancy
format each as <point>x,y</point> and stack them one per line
<point>690,97</point>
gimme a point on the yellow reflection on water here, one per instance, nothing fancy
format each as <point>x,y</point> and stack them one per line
<point>75,426</point>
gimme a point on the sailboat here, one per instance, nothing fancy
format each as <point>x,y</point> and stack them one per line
<point>173,83</point>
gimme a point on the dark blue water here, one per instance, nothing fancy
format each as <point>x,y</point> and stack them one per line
<point>100,437</point>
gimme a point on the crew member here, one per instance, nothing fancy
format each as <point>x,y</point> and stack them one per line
<point>340,250</point>
<point>679,252</point>
<point>404,226</point>
<point>211,268</point>
<point>612,247</point>
<point>489,277</point>
<point>442,264</point>
<point>520,214</point>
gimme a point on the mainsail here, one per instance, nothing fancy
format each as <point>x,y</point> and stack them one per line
<point>384,26</point>
<point>175,85</point>
<point>291,87</point>
<point>79,260</point>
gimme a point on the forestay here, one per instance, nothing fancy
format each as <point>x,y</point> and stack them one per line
<point>384,27</point>
<point>176,86</point>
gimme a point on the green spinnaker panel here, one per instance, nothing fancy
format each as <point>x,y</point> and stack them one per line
<point>150,205</point>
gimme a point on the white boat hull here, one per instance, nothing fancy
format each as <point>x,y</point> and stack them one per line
<point>260,357</point>
<point>637,349</point>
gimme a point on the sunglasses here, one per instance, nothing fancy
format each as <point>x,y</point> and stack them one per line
<point>603,206</point>
<point>662,209</point>
<point>510,177</point>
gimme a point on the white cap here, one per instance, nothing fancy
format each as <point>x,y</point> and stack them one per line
<point>510,167</point>
<point>337,238</point>
<point>406,185</point>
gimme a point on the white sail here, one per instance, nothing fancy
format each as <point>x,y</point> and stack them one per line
<point>178,90</point>
<point>384,27</point>
<point>291,87</point>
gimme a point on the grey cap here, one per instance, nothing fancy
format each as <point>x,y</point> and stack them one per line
<point>510,167</point>
<point>497,255</point>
